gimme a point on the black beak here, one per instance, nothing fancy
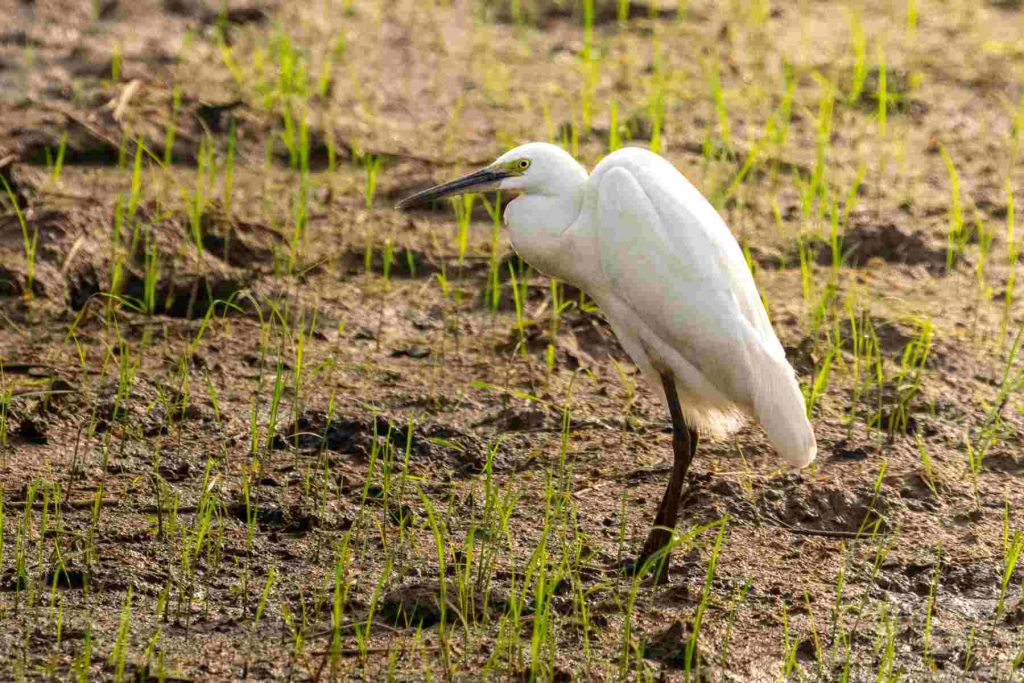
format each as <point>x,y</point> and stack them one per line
<point>482,180</point>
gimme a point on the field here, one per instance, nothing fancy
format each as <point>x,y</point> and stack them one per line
<point>257,424</point>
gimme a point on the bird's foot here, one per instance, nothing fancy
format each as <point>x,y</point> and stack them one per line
<point>626,566</point>
<point>657,552</point>
<point>642,566</point>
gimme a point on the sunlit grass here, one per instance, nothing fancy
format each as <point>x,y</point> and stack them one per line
<point>512,557</point>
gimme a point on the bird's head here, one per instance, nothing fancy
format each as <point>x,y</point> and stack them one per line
<point>533,168</point>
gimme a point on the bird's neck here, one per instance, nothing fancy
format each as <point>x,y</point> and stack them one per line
<point>538,223</point>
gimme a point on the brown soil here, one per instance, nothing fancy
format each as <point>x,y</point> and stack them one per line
<point>196,469</point>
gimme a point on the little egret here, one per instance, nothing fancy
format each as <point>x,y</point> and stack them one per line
<point>661,264</point>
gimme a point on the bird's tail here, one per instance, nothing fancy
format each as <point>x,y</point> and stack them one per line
<point>779,405</point>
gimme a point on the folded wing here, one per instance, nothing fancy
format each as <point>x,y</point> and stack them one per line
<point>668,255</point>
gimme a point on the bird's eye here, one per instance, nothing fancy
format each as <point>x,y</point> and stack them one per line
<point>523,164</point>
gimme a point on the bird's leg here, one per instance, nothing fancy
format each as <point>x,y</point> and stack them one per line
<point>684,447</point>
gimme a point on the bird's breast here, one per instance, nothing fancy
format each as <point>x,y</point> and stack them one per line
<point>544,231</point>
<point>566,255</point>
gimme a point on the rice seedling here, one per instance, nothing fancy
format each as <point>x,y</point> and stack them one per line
<point>737,601</point>
<point>818,187</point>
<point>1012,253</point>
<point>589,67</point>
<point>789,665</point>
<point>718,100</point>
<point>492,293</point>
<point>336,54</point>
<point>29,239</point>
<point>622,12</point>
<point>882,96</point>
<point>518,299</point>
<point>820,384</point>
<point>436,530</point>
<point>55,163</point>
<point>116,64</point>
<point>229,179</point>
<point>6,395</point>
<point>371,165</point>
<point>693,662</point>
<point>657,85</point>
<point>912,17</point>
<point>1012,551</point>
<point>858,43</point>
<point>300,222</point>
<point>907,381</point>
<point>614,136</point>
<point>151,275</point>
<point>957,237</point>
<point>928,467</point>
<point>119,656</point>
<point>171,132</point>
<point>969,650</point>
<point>992,426</point>
<point>930,607</point>
<point>197,199</point>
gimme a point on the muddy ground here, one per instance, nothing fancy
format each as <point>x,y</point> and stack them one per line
<point>256,424</point>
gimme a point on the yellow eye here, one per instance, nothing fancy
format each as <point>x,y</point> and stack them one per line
<point>523,164</point>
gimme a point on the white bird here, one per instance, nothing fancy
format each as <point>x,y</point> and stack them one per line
<point>661,264</point>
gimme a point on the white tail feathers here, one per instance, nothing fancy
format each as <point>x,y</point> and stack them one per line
<point>780,409</point>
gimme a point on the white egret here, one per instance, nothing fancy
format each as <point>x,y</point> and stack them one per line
<point>661,264</point>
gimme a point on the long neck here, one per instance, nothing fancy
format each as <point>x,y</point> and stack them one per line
<point>537,224</point>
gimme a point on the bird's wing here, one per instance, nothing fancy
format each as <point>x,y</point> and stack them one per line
<point>657,233</point>
<point>680,270</point>
<point>668,256</point>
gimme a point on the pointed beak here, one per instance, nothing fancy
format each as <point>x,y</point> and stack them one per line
<point>481,181</point>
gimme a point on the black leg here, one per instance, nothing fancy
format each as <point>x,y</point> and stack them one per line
<point>684,447</point>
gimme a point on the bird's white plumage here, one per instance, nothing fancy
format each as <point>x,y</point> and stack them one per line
<point>678,285</point>
<point>671,279</point>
